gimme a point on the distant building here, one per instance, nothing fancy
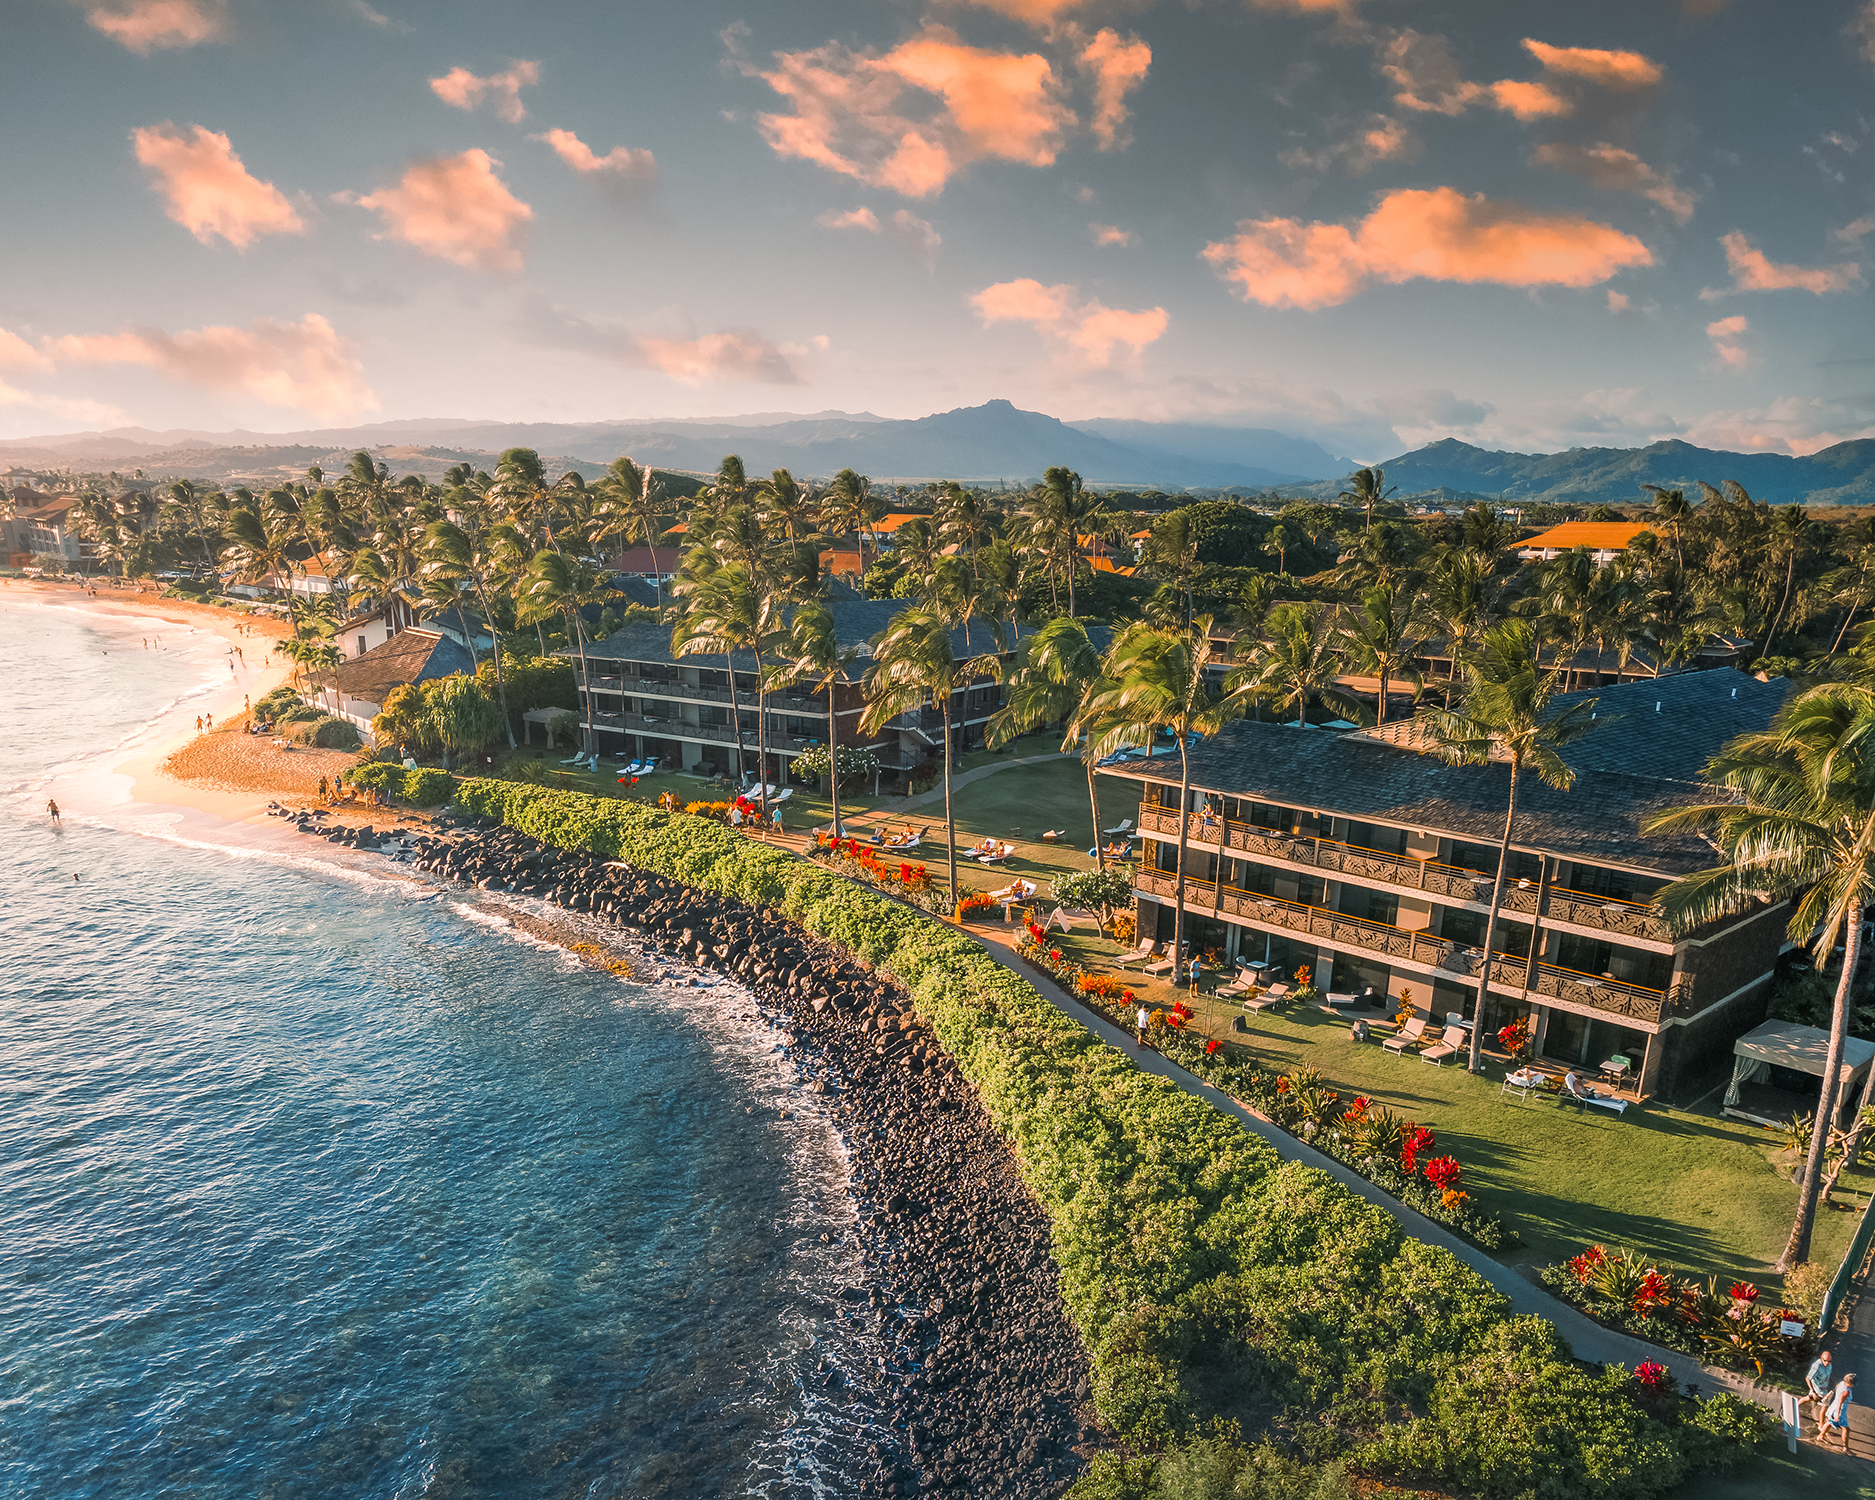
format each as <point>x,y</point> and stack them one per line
<point>1373,865</point>
<point>42,525</point>
<point>365,631</point>
<point>1606,539</point>
<point>356,689</point>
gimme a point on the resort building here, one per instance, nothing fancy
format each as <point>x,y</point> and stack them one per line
<point>1607,540</point>
<point>647,701</point>
<point>1372,863</point>
<point>43,526</point>
<point>356,688</point>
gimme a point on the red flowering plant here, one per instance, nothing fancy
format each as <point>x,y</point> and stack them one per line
<point>1054,955</point>
<point>1129,998</point>
<point>1655,1291</point>
<point>1419,1141</point>
<point>1744,1291</point>
<point>1650,1376</point>
<point>1442,1172</point>
<point>1212,1046</point>
<point>1357,1111</point>
<point>1583,1266</point>
<point>1515,1038</point>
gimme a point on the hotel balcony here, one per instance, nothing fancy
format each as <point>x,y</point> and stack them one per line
<point>1512,975</point>
<point>644,687</point>
<point>1632,921</point>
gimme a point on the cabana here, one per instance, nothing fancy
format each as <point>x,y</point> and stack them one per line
<point>1753,1095</point>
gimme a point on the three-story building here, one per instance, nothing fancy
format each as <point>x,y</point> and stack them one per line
<point>1372,862</point>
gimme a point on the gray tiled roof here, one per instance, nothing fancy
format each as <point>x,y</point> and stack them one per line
<point>1624,771</point>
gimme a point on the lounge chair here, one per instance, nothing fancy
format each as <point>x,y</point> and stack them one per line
<point>1409,1035</point>
<point>1161,966</point>
<point>997,855</point>
<point>1053,835</point>
<point>1450,1044</point>
<point>1143,951</point>
<point>1125,825</point>
<point>1588,1096</point>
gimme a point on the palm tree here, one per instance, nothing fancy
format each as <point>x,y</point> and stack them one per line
<point>1161,677</point>
<point>782,500</point>
<point>913,661</point>
<point>818,658</point>
<point>521,491</point>
<point>1060,680</point>
<point>1378,637</point>
<point>1788,535</point>
<point>1565,600</point>
<point>259,552</point>
<point>1297,663</point>
<point>1367,488</point>
<point>454,559</point>
<point>1672,510</point>
<point>1059,512</point>
<point>730,612</point>
<point>1173,550</point>
<point>630,495</point>
<point>1463,599</point>
<point>557,584</point>
<point>851,506</point>
<point>1508,714</point>
<point>1279,541</point>
<point>1801,823</point>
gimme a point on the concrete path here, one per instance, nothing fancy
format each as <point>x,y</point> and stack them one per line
<point>1588,1338</point>
<point>1855,1351</point>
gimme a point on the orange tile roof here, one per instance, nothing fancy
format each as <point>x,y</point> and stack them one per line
<point>885,525</point>
<point>1105,565</point>
<point>1609,536</point>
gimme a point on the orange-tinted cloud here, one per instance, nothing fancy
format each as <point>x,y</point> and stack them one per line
<point>859,218</point>
<point>207,190</point>
<point>463,89</point>
<point>735,355</point>
<point>1087,331</point>
<point>1528,101</point>
<point>1428,80</point>
<point>1119,65</point>
<point>1617,301</point>
<point>1724,335</point>
<point>17,354</point>
<point>1438,235</point>
<point>1606,166</point>
<point>148,26</point>
<point>1112,235</point>
<point>1752,271</point>
<point>1378,139</point>
<point>620,162</point>
<point>457,209</point>
<point>305,365</point>
<point>914,234</point>
<point>913,118</point>
<point>1611,70</point>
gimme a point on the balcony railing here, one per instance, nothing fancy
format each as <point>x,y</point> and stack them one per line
<point>680,729</point>
<point>1511,973</point>
<point>646,687</point>
<point>1630,919</point>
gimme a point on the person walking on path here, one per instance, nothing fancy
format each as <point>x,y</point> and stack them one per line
<point>52,810</point>
<point>1817,1384</point>
<point>1838,1414</point>
<point>1140,1019</point>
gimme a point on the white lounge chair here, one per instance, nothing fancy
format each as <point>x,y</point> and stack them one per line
<point>1450,1044</point>
<point>1143,951</point>
<point>1161,966</point>
<point>1409,1035</point>
<point>1600,1101</point>
<point>998,855</point>
<point>1123,826</point>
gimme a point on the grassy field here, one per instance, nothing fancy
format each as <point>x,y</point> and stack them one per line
<point>1807,1474</point>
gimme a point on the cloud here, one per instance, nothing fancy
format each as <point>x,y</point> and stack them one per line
<point>860,218</point>
<point>1378,139</point>
<point>1851,234</point>
<point>305,365</point>
<point>1119,65</point>
<point>624,163</point>
<point>733,356</point>
<point>1610,70</point>
<point>1610,167</point>
<point>1797,425</point>
<point>89,413</point>
<point>376,18</point>
<point>913,118</point>
<point>17,354</point>
<point>206,188</point>
<point>914,234</point>
<point>1724,335</point>
<point>147,26</point>
<point>1088,331</point>
<point>464,90</point>
<point>457,209</point>
<point>1617,301</point>
<point>1862,29</point>
<point>1428,80</point>
<point>1753,272</point>
<point>1112,235</point>
<point>1439,235</point>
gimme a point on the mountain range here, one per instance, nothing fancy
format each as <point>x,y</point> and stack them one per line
<point>994,443</point>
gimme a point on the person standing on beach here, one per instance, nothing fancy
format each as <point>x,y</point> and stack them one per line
<point>52,808</point>
<point>198,723</point>
<point>322,789</point>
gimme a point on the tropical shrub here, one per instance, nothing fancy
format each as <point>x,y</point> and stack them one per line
<point>858,764</point>
<point>1192,1257</point>
<point>323,730</point>
<point>1095,890</point>
<point>531,682</point>
<point>427,787</point>
<point>385,777</point>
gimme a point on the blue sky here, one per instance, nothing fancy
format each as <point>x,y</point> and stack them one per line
<point>1364,221</point>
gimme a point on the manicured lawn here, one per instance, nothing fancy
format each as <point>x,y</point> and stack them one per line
<point>1695,1189</point>
<point>1807,1474</point>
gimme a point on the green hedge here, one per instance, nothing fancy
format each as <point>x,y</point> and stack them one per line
<point>1208,1277</point>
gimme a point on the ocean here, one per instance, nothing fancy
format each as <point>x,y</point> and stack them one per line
<point>320,1182</point>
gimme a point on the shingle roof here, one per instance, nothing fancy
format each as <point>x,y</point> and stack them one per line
<point>410,656</point>
<point>1623,772</point>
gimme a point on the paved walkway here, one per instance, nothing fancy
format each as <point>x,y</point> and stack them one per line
<point>1854,1351</point>
<point>1590,1340</point>
<point>936,794</point>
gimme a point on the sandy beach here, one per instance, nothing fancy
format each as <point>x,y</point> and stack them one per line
<point>229,775</point>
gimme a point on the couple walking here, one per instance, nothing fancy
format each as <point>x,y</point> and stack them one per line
<point>1832,1399</point>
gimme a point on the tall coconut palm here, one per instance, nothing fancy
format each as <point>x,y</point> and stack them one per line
<point>913,661</point>
<point>816,657</point>
<point>1172,551</point>
<point>1801,823</point>
<point>1789,537</point>
<point>785,502</point>
<point>628,498</point>
<point>453,558</point>
<point>1162,677</point>
<point>1295,663</point>
<point>1059,681</point>
<point>1508,714</point>
<point>1671,510</point>
<point>1367,488</point>
<point>557,584</point>
<point>851,506</point>
<point>522,493</point>
<point>259,553</point>
<point>1378,636</point>
<point>1058,513</point>
<point>1463,598</point>
<point>731,613</point>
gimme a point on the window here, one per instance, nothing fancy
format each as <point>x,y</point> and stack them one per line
<point>1611,885</point>
<point>1380,840</point>
<point>361,645</point>
<point>1370,906</point>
